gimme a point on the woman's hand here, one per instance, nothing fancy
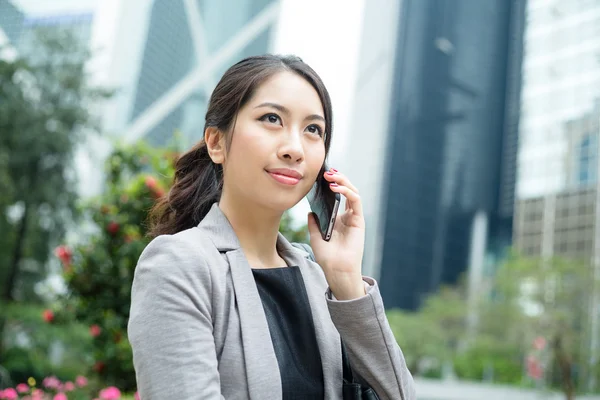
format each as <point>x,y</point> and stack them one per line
<point>341,257</point>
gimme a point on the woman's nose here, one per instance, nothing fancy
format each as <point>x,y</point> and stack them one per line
<point>291,149</point>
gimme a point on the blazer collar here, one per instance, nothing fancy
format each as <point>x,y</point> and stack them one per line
<point>219,229</point>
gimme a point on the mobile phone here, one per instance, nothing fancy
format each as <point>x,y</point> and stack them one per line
<point>325,204</point>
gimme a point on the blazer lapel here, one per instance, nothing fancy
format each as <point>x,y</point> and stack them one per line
<point>262,368</point>
<point>326,333</point>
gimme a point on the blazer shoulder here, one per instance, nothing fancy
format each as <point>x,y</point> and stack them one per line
<point>187,251</point>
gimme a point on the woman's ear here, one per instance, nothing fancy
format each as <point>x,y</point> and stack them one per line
<point>215,144</point>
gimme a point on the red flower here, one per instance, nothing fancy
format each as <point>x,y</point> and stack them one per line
<point>113,228</point>
<point>534,368</point>
<point>48,316</point>
<point>99,366</point>
<point>158,193</point>
<point>150,182</point>
<point>64,254</point>
<point>95,330</point>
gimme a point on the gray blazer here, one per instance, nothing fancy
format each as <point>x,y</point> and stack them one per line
<point>198,330</point>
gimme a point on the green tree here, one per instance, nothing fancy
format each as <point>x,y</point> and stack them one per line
<point>434,331</point>
<point>291,231</point>
<point>546,299</point>
<point>44,102</point>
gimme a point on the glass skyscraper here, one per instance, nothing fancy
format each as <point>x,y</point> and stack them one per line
<point>452,146</point>
<point>184,37</point>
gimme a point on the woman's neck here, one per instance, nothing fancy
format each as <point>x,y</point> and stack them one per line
<point>256,229</point>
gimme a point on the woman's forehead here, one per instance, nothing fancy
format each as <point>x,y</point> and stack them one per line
<point>289,90</point>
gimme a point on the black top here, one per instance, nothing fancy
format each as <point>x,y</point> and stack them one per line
<point>287,308</point>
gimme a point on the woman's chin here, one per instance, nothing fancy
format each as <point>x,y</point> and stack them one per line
<point>282,205</point>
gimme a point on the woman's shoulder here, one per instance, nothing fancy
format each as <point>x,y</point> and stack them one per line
<point>186,251</point>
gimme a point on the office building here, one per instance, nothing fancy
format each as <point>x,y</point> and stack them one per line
<point>449,191</point>
<point>187,47</point>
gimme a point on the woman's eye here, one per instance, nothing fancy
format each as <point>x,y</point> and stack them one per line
<point>271,118</point>
<point>315,130</point>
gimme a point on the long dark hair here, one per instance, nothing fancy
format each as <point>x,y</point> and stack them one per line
<point>198,181</point>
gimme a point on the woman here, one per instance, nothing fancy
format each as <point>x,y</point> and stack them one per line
<point>223,306</point>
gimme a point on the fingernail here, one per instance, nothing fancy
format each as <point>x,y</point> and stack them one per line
<point>330,173</point>
<point>333,184</point>
<point>333,169</point>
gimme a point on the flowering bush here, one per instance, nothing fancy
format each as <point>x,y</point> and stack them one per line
<point>53,389</point>
<point>99,269</point>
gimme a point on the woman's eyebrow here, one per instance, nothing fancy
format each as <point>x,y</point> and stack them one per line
<point>286,111</point>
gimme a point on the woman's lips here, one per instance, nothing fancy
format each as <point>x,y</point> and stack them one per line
<point>285,176</point>
<point>285,179</point>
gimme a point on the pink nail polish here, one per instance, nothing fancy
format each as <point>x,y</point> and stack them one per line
<point>333,184</point>
<point>330,173</point>
<point>334,170</point>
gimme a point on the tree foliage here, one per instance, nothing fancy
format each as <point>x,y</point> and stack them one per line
<point>532,326</point>
<point>44,103</point>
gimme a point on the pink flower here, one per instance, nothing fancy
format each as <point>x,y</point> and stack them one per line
<point>150,182</point>
<point>95,330</point>
<point>51,382</point>
<point>37,395</point>
<point>539,343</point>
<point>22,388</point>
<point>9,394</point>
<point>137,396</point>
<point>81,381</point>
<point>69,386</point>
<point>110,393</point>
<point>60,396</point>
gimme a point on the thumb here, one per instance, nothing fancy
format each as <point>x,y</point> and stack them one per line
<point>313,226</point>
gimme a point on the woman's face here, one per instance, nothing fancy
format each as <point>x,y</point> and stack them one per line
<point>277,148</point>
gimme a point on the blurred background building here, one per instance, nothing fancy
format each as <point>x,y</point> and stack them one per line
<point>448,197</point>
<point>560,118</point>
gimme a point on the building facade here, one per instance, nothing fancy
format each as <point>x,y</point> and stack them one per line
<point>452,147</point>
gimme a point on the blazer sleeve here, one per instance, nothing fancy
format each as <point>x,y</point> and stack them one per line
<point>372,349</point>
<point>170,324</point>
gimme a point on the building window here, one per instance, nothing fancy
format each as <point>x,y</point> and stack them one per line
<point>588,153</point>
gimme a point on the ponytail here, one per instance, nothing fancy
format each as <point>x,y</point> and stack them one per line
<point>196,186</point>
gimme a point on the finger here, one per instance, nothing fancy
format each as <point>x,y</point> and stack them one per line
<point>340,179</point>
<point>353,200</point>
